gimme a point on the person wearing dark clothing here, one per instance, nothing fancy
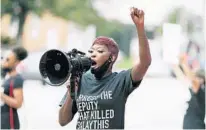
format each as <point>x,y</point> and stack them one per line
<point>12,96</point>
<point>102,94</point>
<point>195,114</point>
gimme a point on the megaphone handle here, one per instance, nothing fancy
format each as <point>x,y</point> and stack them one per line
<point>72,87</point>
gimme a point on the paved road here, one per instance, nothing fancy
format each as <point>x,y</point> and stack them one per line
<point>159,103</point>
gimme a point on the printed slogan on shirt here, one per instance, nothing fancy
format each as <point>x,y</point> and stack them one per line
<point>90,116</point>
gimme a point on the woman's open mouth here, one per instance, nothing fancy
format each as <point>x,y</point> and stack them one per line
<point>93,64</point>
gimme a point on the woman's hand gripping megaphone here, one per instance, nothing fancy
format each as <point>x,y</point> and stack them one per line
<point>68,85</point>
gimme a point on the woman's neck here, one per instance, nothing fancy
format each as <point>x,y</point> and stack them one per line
<point>107,73</point>
<point>12,73</point>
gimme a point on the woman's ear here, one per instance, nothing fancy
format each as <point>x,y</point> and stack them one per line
<point>110,59</point>
<point>113,58</point>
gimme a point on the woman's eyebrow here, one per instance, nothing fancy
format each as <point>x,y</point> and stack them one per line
<point>98,48</point>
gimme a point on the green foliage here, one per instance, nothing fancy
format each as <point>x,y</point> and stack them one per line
<point>81,12</point>
<point>126,63</point>
<point>159,30</point>
<point>173,18</point>
<point>174,15</point>
<point>6,6</point>
<point>78,11</point>
<point>6,40</point>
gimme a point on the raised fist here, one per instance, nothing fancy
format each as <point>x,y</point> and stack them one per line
<point>137,16</point>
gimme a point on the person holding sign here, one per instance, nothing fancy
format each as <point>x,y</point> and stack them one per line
<point>101,93</point>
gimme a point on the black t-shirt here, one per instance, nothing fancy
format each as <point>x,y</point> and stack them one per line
<point>195,114</point>
<point>101,103</point>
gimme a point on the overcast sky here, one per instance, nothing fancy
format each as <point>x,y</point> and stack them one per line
<point>154,9</point>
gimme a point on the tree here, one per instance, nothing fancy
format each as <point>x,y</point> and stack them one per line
<point>78,11</point>
<point>174,15</point>
<point>18,10</point>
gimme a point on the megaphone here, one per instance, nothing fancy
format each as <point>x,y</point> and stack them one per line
<point>56,66</point>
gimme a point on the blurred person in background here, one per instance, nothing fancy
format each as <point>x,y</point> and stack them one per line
<point>195,114</point>
<point>12,94</point>
<point>102,94</point>
<point>192,55</point>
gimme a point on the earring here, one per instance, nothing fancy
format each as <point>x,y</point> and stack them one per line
<point>110,59</point>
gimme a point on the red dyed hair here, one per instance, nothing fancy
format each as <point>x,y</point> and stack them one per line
<point>109,43</point>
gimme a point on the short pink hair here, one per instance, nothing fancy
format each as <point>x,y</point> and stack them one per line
<point>109,43</point>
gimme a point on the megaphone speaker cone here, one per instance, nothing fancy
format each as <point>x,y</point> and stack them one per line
<point>55,67</point>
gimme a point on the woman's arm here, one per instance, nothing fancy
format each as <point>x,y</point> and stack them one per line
<point>139,70</point>
<point>65,112</point>
<point>190,75</point>
<point>68,110</point>
<point>186,69</point>
<point>16,101</point>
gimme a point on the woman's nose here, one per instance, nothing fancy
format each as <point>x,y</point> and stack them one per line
<point>93,54</point>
